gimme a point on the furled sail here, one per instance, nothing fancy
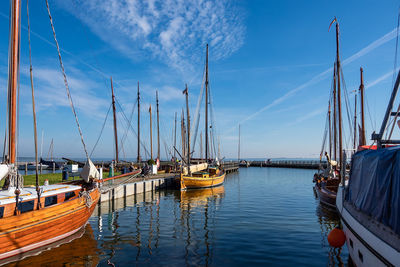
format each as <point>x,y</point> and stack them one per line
<point>3,171</point>
<point>89,171</point>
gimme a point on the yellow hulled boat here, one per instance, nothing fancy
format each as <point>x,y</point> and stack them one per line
<point>203,179</point>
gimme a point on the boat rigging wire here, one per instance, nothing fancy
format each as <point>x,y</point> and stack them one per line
<point>131,127</point>
<point>65,80</point>
<point>394,77</point>
<point>101,131</point>
<point>33,109</point>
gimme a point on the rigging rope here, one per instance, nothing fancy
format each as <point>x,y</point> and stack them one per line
<point>131,127</point>
<point>65,80</point>
<point>394,77</point>
<point>33,108</point>
<point>195,126</point>
<point>127,129</point>
<point>101,132</point>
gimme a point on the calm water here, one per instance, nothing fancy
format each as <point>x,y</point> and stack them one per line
<point>261,216</point>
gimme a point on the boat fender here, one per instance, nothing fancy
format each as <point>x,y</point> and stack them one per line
<point>336,238</point>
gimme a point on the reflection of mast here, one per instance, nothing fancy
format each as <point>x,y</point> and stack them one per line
<point>206,233</point>
<point>138,236</point>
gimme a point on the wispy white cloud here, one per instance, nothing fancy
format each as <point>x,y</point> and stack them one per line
<point>50,91</point>
<point>308,116</point>
<point>174,31</point>
<point>323,75</point>
<point>380,79</point>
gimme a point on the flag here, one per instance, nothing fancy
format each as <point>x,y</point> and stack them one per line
<point>334,20</point>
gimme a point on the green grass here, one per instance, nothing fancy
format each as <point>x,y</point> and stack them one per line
<point>53,178</point>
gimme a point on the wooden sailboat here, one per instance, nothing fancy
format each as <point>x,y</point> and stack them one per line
<point>34,217</point>
<point>327,181</point>
<point>210,176</point>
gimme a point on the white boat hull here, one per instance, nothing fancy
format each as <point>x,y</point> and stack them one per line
<point>365,248</point>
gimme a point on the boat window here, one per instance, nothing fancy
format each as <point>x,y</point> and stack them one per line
<point>1,212</point>
<point>26,206</point>
<point>48,201</point>
<point>69,195</point>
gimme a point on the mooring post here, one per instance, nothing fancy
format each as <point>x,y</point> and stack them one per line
<point>26,168</point>
<point>41,168</point>
<point>54,167</point>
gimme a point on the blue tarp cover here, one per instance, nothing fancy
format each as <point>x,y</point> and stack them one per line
<point>374,185</point>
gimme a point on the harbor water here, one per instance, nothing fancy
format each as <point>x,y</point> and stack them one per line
<point>260,216</point>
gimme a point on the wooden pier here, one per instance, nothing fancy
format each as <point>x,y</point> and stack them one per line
<point>232,166</point>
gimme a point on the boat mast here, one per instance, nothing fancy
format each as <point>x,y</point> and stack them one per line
<point>239,146</point>
<point>115,122</point>
<point>138,124</point>
<point>151,135</point>
<point>13,78</point>
<point>355,123</point>
<point>158,127</point>
<point>330,129</point>
<point>186,92</point>
<point>362,136</point>
<point>183,134</point>
<point>201,145</point>
<point>206,103</point>
<point>334,113</point>
<point>339,94</point>
<point>175,139</point>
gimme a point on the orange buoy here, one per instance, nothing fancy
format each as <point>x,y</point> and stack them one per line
<point>336,238</point>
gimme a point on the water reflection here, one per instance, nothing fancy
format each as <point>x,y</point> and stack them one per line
<point>265,217</point>
<point>203,200</point>
<point>79,249</point>
<point>328,220</point>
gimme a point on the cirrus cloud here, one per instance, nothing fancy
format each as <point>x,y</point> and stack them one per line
<point>174,31</point>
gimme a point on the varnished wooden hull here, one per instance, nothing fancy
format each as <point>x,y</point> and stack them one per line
<point>326,197</point>
<point>34,229</point>
<point>200,182</point>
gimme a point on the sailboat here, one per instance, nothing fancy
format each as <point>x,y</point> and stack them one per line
<point>33,217</point>
<point>369,205</point>
<point>202,175</point>
<point>327,179</point>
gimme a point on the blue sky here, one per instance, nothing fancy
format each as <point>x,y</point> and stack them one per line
<point>270,69</point>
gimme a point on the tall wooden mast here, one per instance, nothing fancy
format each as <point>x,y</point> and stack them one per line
<point>151,135</point>
<point>158,128</point>
<point>239,145</point>
<point>334,114</point>
<point>13,78</point>
<point>206,103</point>
<point>183,134</point>
<point>355,124</point>
<point>186,92</point>
<point>362,142</point>
<point>115,122</point>
<point>138,124</point>
<point>339,94</point>
<point>175,139</point>
<point>201,145</point>
<point>330,129</point>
